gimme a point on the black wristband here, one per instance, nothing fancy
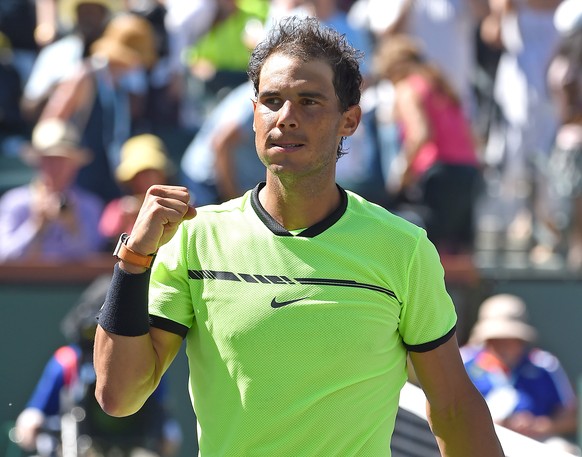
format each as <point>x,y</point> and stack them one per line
<point>125,311</point>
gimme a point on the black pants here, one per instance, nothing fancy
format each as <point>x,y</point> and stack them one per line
<point>448,195</point>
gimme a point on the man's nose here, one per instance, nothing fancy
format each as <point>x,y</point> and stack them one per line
<point>287,116</point>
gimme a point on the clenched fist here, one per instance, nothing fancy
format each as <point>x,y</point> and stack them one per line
<point>161,212</point>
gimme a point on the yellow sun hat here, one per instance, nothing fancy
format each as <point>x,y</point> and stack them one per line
<point>142,152</point>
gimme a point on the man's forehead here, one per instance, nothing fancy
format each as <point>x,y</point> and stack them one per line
<point>289,71</point>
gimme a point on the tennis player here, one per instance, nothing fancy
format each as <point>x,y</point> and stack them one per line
<point>299,301</point>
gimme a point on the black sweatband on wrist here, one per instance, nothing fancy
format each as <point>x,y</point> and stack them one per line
<point>125,311</point>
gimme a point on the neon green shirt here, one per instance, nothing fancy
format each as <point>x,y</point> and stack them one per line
<point>224,45</point>
<point>297,344</point>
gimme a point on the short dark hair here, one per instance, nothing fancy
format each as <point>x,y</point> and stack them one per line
<point>308,39</point>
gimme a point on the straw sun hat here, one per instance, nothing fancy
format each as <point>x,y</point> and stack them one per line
<point>142,152</point>
<point>503,316</point>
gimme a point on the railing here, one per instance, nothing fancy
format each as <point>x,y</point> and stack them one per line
<point>459,269</point>
<point>34,272</point>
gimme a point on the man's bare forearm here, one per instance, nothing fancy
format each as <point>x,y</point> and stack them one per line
<point>127,372</point>
<point>467,431</point>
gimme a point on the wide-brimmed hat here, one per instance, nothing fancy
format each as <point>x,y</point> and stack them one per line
<point>129,39</point>
<point>503,316</point>
<point>142,152</point>
<point>56,138</point>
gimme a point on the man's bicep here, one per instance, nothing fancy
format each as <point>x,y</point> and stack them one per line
<point>166,346</point>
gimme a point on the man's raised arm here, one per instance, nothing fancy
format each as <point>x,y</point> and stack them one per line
<point>129,356</point>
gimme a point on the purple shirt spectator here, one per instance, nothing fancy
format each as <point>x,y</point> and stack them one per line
<point>50,218</point>
<point>18,233</point>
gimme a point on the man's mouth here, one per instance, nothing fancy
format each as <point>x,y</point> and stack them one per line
<point>286,145</point>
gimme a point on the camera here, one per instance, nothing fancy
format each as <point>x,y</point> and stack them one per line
<point>64,203</point>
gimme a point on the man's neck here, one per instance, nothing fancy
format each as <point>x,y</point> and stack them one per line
<point>299,207</point>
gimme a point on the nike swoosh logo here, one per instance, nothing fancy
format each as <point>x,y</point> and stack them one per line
<point>280,304</point>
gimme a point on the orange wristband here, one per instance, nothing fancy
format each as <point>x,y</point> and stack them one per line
<point>123,252</point>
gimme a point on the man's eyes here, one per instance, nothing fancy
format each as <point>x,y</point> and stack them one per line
<point>277,102</point>
<point>272,102</point>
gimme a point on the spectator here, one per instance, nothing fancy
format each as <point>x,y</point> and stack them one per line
<point>218,59</point>
<point>144,162</point>
<point>526,388</point>
<point>162,98</point>
<point>47,21</point>
<point>221,162</point>
<point>519,143</point>
<point>97,98</point>
<point>59,59</point>
<point>51,218</point>
<point>565,163</point>
<point>166,88</point>
<point>186,23</point>
<point>67,382</point>
<point>383,142</point>
<point>18,22</point>
<point>13,129</point>
<point>362,169</point>
<point>438,26</point>
<point>440,170</point>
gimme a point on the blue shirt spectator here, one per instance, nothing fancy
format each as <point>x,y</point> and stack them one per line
<point>525,387</point>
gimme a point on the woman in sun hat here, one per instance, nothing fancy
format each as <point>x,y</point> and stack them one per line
<point>525,387</point>
<point>107,96</point>
<point>51,218</point>
<point>144,162</point>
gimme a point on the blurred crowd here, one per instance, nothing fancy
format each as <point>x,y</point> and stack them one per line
<point>472,123</point>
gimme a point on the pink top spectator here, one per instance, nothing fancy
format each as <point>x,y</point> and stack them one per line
<point>451,140</point>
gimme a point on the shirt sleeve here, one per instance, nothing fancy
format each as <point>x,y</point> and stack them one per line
<point>46,394</point>
<point>428,316</point>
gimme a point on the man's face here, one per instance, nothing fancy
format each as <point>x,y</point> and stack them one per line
<point>58,173</point>
<point>297,117</point>
<point>508,350</point>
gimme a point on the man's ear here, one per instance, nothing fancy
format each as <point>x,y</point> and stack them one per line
<point>351,120</point>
